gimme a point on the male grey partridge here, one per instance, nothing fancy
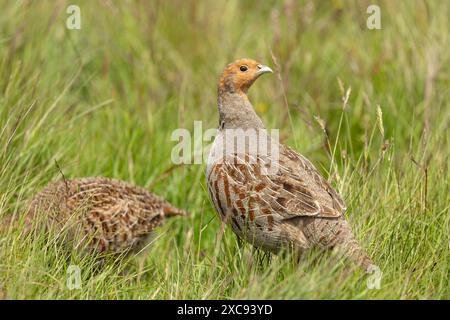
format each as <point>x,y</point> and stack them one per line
<point>289,206</point>
<point>103,215</point>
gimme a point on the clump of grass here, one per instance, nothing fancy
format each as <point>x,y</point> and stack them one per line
<point>105,99</point>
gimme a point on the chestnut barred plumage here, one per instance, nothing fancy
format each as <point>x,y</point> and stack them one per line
<point>292,206</point>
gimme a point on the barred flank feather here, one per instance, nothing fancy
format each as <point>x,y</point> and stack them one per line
<point>113,216</point>
<point>291,206</point>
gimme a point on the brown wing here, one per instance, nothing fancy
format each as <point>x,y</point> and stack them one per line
<point>295,188</point>
<point>113,215</point>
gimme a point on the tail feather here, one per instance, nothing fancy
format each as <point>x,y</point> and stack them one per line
<point>6,222</point>
<point>170,211</point>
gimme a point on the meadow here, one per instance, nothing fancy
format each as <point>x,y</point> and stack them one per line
<point>370,108</point>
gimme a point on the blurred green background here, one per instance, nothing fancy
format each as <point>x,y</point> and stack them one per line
<point>104,101</point>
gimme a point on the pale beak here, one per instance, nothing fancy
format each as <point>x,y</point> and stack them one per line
<point>263,69</point>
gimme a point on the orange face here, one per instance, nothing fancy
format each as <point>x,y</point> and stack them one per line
<point>240,75</point>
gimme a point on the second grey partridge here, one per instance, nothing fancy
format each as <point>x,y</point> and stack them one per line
<point>289,206</point>
<point>102,215</point>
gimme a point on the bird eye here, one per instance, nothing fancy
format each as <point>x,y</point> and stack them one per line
<point>243,68</point>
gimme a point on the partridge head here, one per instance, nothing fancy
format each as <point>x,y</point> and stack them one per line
<point>99,215</point>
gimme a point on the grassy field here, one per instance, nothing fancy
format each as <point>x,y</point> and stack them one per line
<point>104,101</point>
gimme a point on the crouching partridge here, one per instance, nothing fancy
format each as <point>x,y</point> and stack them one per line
<point>275,199</point>
<point>100,214</point>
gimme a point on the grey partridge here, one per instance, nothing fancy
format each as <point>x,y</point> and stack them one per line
<point>102,215</point>
<point>273,200</point>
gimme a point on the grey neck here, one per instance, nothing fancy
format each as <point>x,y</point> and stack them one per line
<point>236,111</point>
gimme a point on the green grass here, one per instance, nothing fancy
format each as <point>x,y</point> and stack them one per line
<point>104,100</point>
